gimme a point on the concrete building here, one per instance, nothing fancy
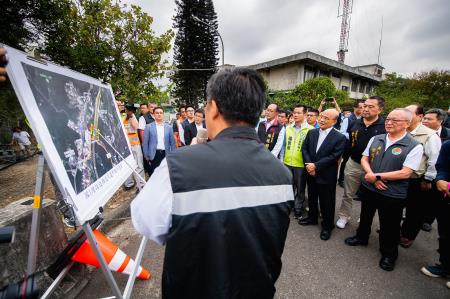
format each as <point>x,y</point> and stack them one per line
<point>285,73</point>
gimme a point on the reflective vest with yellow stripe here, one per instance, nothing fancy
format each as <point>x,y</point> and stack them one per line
<point>132,133</point>
<point>293,151</point>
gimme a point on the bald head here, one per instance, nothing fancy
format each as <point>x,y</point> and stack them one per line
<point>271,112</point>
<point>328,118</point>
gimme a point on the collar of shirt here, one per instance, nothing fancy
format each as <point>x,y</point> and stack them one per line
<point>326,131</point>
<point>389,140</point>
<point>413,132</point>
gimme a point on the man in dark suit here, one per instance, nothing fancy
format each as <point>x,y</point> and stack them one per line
<point>434,119</point>
<point>190,131</point>
<point>322,150</point>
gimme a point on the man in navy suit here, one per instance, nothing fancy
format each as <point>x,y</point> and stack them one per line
<point>190,131</point>
<point>322,149</point>
<point>158,140</point>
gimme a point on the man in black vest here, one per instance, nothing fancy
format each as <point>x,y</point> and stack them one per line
<point>269,129</point>
<point>222,208</point>
<point>388,161</point>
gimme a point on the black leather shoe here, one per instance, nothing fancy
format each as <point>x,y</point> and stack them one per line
<point>341,184</point>
<point>355,241</point>
<point>307,221</point>
<point>325,235</point>
<point>387,263</point>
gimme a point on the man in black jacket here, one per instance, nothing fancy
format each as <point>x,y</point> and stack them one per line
<point>322,150</point>
<point>222,207</point>
<point>191,129</point>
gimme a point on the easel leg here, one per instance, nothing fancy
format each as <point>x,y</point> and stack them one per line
<point>106,271</point>
<point>132,278</point>
<point>35,221</point>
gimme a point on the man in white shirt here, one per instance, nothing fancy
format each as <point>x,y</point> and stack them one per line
<point>434,119</point>
<point>420,186</point>
<point>388,161</point>
<point>23,140</point>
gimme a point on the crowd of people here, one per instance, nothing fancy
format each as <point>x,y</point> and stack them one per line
<point>389,164</point>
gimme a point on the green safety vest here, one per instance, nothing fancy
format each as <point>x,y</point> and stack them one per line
<point>293,151</point>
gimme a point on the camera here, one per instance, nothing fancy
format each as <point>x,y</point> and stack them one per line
<point>329,99</point>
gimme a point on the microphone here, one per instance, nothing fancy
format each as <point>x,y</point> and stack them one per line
<point>202,136</point>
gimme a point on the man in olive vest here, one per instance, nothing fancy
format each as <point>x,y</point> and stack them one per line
<point>388,161</point>
<point>291,155</point>
<point>420,185</point>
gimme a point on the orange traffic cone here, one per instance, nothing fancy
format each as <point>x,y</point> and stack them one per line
<point>117,260</point>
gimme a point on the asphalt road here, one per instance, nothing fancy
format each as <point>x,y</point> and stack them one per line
<point>312,268</point>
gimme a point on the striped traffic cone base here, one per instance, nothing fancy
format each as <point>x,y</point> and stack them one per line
<point>116,259</point>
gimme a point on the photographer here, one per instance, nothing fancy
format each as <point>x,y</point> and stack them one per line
<point>224,226</point>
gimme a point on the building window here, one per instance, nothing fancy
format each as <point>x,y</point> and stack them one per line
<point>324,73</point>
<point>368,88</point>
<point>362,86</point>
<point>309,73</point>
<point>354,85</point>
<point>345,88</point>
<point>336,75</point>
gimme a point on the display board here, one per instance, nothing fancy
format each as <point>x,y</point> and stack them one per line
<point>76,121</point>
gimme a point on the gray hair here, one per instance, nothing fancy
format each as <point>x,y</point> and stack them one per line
<point>440,114</point>
<point>408,114</point>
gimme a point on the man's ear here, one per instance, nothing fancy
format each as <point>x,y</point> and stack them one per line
<point>213,110</point>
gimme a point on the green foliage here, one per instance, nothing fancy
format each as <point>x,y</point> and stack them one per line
<point>113,43</point>
<point>309,93</point>
<point>431,89</point>
<point>195,47</point>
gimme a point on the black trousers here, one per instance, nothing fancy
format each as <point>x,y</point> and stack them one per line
<point>326,195</point>
<point>299,186</point>
<point>443,222</point>
<point>159,156</point>
<point>418,205</point>
<point>390,211</point>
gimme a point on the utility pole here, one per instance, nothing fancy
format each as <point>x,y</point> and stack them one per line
<point>347,8</point>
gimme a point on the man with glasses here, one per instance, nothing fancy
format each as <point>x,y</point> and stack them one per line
<point>189,117</point>
<point>420,186</point>
<point>388,162</point>
<point>191,130</point>
<point>311,117</point>
<point>269,130</point>
<point>362,130</point>
<point>292,157</point>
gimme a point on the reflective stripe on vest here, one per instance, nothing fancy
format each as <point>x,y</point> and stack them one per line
<point>132,133</point>
<point>293,152</point>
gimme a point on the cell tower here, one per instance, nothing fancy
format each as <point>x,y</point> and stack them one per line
<point>347,8</point>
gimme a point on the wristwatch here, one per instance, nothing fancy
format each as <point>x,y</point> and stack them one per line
<point>378,177</point>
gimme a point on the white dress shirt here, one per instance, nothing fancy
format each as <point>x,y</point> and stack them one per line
<point>151,210</point>
<point>412,160</point>
<point>322,135</point>
<point>142,123</point>
<point>160,135</point>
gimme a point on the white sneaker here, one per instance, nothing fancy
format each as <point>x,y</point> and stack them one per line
<point>448,284</point>
<point>342,222</point>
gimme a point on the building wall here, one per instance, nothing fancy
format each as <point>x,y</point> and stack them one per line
<point>287,76</point>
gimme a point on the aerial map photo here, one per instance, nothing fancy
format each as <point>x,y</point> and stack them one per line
<point>83,123</point>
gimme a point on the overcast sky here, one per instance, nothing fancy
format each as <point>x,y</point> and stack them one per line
<point>416,33</point>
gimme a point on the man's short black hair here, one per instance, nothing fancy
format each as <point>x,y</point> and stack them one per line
<point>158,107</point>
<point>313,110</point>
<point>282,111</point>
<point>239,94</point>
<point>379,99</point>
<point>142,104</point>
<point>419,108</point>
<point>189,106</point>
<point>200,111</point>
<point>441,115</point>
<point>357,102</point>
<point>304,107</point>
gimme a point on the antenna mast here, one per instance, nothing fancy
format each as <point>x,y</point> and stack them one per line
<point>347,8</point>
<point>381,38</point>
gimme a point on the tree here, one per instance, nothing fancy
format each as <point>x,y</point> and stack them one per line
<point>310,93</point>
<point>195,48</point>
<point>113,43</point>
<point>431,89</point>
